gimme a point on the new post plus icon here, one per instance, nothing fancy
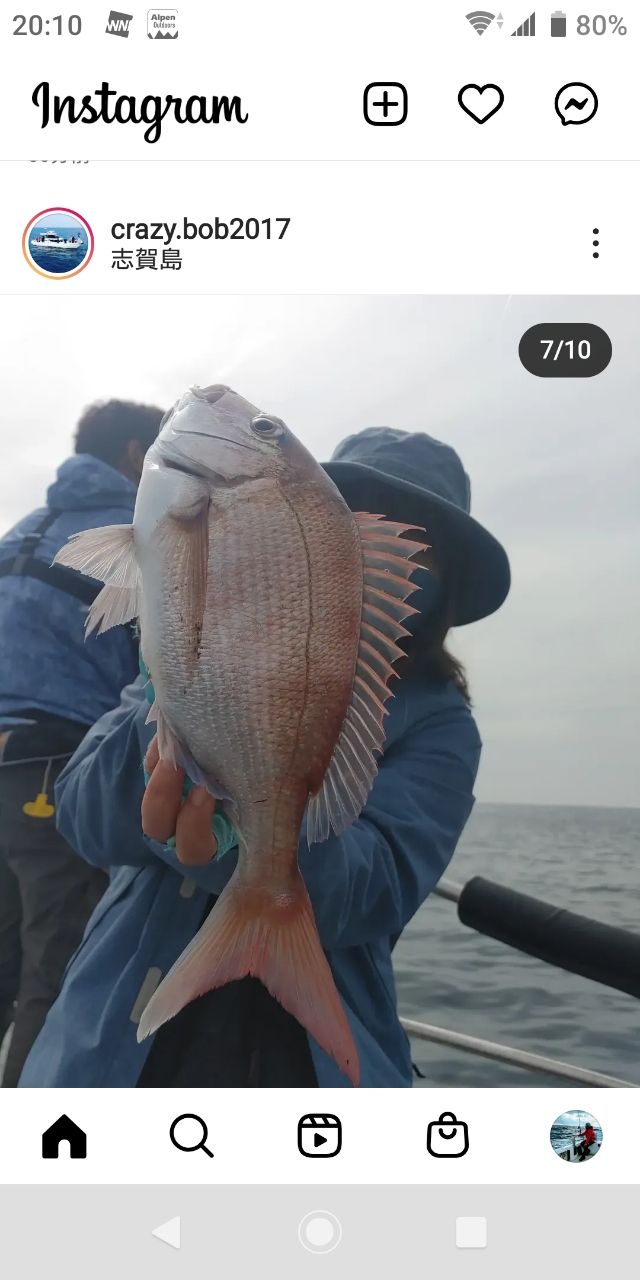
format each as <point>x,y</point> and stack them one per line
<point>385,103</point>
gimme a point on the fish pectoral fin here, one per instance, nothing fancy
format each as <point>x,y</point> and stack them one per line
<point>112,607</point>
<point>170,748</point>
<point>271,936</point>
<point>107,554</point>
<point>387,570</point>
<point>185,536</point>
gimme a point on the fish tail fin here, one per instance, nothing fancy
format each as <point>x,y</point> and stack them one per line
<point>271,936</point>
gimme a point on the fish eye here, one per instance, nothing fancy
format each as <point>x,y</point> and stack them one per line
<point>267,428</point>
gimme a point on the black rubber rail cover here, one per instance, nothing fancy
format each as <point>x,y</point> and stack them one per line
<point>559,937</point>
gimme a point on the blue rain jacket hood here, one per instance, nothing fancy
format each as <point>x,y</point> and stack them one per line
<point>365,886</point>
<point>45,662</point>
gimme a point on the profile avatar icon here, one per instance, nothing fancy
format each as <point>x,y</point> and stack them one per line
<point>576,1136</point>
<point>57,243</point>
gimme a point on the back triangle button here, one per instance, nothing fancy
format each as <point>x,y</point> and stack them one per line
<point>169,1232</point>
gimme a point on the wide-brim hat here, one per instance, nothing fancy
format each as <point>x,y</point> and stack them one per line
<point>411,477</point>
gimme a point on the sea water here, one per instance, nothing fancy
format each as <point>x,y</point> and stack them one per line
<point>58,260</point>
<point>585,859</point>
<point>561,1134</point>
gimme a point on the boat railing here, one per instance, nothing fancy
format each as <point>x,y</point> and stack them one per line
<point>559,937</point>
<point>568,1152</point>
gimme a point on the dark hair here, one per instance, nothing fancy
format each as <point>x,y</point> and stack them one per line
<point>106,428</point>
<point>428,657</point>
<point>426,653</point>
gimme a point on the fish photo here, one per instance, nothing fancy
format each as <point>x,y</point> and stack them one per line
<point>314,761</point>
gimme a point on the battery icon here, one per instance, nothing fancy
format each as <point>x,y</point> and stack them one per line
<point>558,23</point>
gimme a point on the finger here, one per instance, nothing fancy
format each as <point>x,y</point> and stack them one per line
<point>153,755</point>
<point>161,801</point>
<point>195,841</point>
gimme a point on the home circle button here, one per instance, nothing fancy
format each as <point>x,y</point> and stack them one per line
<point>320,1232</point>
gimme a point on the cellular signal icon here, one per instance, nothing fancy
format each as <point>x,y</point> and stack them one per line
<point>480,20</point>
<point>526,28</point>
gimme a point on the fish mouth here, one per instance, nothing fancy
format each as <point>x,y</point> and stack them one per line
<point>176,460</point>
<point>208,436</point>
<point>172,464</point>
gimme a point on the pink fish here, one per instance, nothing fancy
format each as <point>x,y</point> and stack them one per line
<point>269,614</point>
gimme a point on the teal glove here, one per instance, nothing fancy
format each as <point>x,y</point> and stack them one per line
<point>222,829</point>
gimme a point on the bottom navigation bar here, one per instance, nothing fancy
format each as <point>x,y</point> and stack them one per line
<point>569,1137</point>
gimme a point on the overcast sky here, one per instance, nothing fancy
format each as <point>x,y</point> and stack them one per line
<point>554,466</point>
<point>568,1119</point>
<point>58,220</point>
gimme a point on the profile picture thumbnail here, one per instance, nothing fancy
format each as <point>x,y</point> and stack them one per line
<point>57,243</point>
<point>576,1136</point>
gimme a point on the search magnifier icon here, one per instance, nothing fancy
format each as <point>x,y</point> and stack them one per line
<point>191,1127</point>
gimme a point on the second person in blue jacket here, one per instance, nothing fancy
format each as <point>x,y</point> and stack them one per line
<point>53,686</point>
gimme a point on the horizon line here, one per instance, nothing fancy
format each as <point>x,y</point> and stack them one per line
<point>556,804</point>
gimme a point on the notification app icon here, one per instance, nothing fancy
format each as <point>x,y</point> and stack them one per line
<point>319,1135</point>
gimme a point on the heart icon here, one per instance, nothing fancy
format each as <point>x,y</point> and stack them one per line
<point>481,101</point>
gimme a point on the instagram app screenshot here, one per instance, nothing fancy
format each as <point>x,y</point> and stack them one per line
<point>319,624</point>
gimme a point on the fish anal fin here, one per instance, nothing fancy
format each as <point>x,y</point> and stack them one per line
<point>387,567</point>
<point>107,554</point>
<point>271,936</point>
<point>171,749</point>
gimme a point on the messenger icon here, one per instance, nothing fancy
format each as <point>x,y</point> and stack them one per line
<point>576,103</point>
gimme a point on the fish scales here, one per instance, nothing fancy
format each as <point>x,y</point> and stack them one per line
<point>277,656</point>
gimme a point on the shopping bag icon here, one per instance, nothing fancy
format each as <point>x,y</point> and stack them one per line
<point>448,1136</point>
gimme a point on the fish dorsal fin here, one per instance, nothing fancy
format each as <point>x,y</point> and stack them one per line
<point>387,569</point>
<point>109,555</point>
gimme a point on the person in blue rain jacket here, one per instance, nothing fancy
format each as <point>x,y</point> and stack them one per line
<point>365,885</point>
<point>53,687</point>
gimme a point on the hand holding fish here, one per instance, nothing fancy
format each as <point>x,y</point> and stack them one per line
<point>166,813</point>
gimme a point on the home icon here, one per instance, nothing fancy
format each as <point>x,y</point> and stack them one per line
<point>64,1130</point>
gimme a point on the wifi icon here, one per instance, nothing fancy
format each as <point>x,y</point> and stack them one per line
<point>480,20</point>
